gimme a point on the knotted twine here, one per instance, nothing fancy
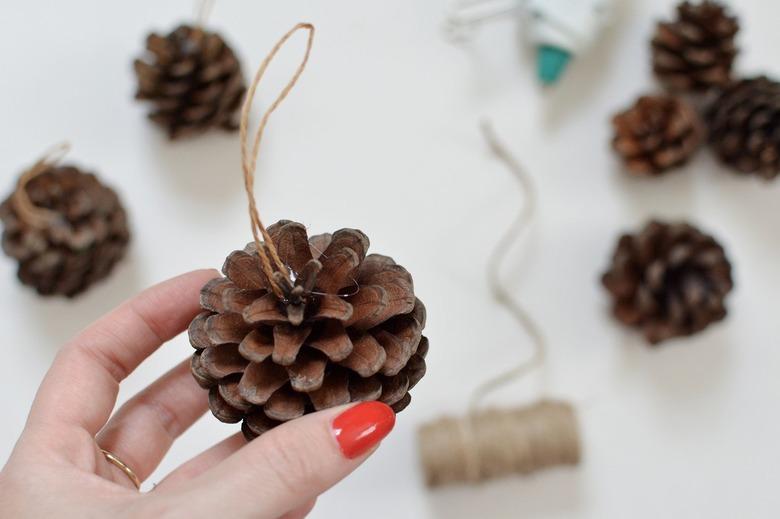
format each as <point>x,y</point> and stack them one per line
<point>270,262</point>
<point>492,443</point>
<point>37,217</point>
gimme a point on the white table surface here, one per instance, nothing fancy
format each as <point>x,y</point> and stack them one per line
<point>381,134</point>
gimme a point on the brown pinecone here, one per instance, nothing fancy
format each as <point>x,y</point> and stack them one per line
<point>350,329</point>
<point>744,122</point>
<point>657,133</point>
<point>696,51</point>
<point>87,238</point>
<point>670,280</point>
<point>193,80</point>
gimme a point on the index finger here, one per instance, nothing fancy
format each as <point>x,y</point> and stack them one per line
<point>82,384</point>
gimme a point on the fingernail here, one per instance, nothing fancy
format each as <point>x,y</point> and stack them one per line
<point>361,427</point>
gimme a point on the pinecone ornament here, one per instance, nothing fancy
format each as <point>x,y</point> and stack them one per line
<point>669,280</point>
<point>744,123</point>
<point>656,134</point>
<point>82,235</point>
<point>192,79</point>
<point>348,329</point>
<point>696,51</point>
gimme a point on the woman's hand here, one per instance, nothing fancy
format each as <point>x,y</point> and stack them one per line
<point>58,468</point>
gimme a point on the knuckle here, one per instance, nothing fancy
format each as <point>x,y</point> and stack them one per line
<point>292,464</point>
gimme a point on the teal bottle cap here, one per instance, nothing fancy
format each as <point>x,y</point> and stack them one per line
<point>551,62</point>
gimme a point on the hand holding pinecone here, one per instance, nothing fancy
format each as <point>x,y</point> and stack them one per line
<point>193,80</point>
<point>348,328</point>
<point>66,230</point>
<point>669,280</point>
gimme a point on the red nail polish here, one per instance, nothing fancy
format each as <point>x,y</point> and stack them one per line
<point>361,427</point>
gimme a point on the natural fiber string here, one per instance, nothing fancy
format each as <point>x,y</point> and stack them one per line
<point>497,258</point>
<point>266,247</point>
<point>491,443</point>
<point>32,215</point>
<point>203,11</point>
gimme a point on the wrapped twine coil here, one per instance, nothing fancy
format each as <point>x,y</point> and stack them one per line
<point>499,442</point>
<point>493,443</point>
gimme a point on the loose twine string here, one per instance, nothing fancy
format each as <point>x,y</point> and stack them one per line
<point>270,261</point>
<point>493,443</point>
<point>27,211</point>
<point>203,11</point>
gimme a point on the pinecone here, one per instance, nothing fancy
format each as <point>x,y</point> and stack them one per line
<point>696,51</point>
<point>670,280</point>
<point>193,79</point>
<point>349,329</point>
<point>744,123</point>
<point>88,236</point>
<point>657,133</point>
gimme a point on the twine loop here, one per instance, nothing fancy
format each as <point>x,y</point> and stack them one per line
<point>270,261</point>
<point>27,211</point>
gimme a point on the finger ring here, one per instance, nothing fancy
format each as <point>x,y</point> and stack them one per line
<point>111,458</point>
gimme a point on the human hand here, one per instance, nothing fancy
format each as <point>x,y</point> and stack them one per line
<point>57,468</point>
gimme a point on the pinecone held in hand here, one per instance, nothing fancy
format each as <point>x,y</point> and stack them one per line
<point>656,134</point>
<point>696,51</point>
<point>348,328</point>
<point>66,230</point>
<point>744,123</point>
<point>670,280</point>
<point>192,79</point>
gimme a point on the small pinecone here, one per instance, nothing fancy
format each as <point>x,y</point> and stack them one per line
<point>744,122</point>
<point>81,247</point>
<point>193,80</point>
<point>696,51</point>
<point>657,133</point>
<point>350,329</point>
<point>670,280</point>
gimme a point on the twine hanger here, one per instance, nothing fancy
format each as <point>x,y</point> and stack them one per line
<point>491,443</point>
<point>203,10</point>
<point>270,261</point>
<point>27,211</point>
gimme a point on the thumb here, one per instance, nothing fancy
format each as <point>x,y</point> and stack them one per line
<point>295,462</point>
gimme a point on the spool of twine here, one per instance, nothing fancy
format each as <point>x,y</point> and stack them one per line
<point>492,443</point>
<point>495,443</point>
<point>26,210</point>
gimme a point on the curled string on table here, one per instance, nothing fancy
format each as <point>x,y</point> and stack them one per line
<point>271,263</point>
<point>492,443</point>
<point>29,213</point>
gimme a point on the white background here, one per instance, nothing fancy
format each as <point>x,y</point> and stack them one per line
<point>381,134</point>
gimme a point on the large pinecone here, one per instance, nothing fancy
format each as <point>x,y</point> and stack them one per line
<point>350,329</point>
<point>696,51</point>
<point>744,123</point>
<point>88,238</point>
<point>670,280</point>
<point>193,79</point>
<point>657,133</point>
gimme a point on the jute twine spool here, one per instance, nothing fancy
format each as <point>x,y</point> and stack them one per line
<point>499,442</point>
<point>492,443</point>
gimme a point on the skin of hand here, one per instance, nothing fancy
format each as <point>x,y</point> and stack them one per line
<point>57,468</point>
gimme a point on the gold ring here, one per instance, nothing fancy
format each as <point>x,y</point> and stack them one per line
<point>111,458</point>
